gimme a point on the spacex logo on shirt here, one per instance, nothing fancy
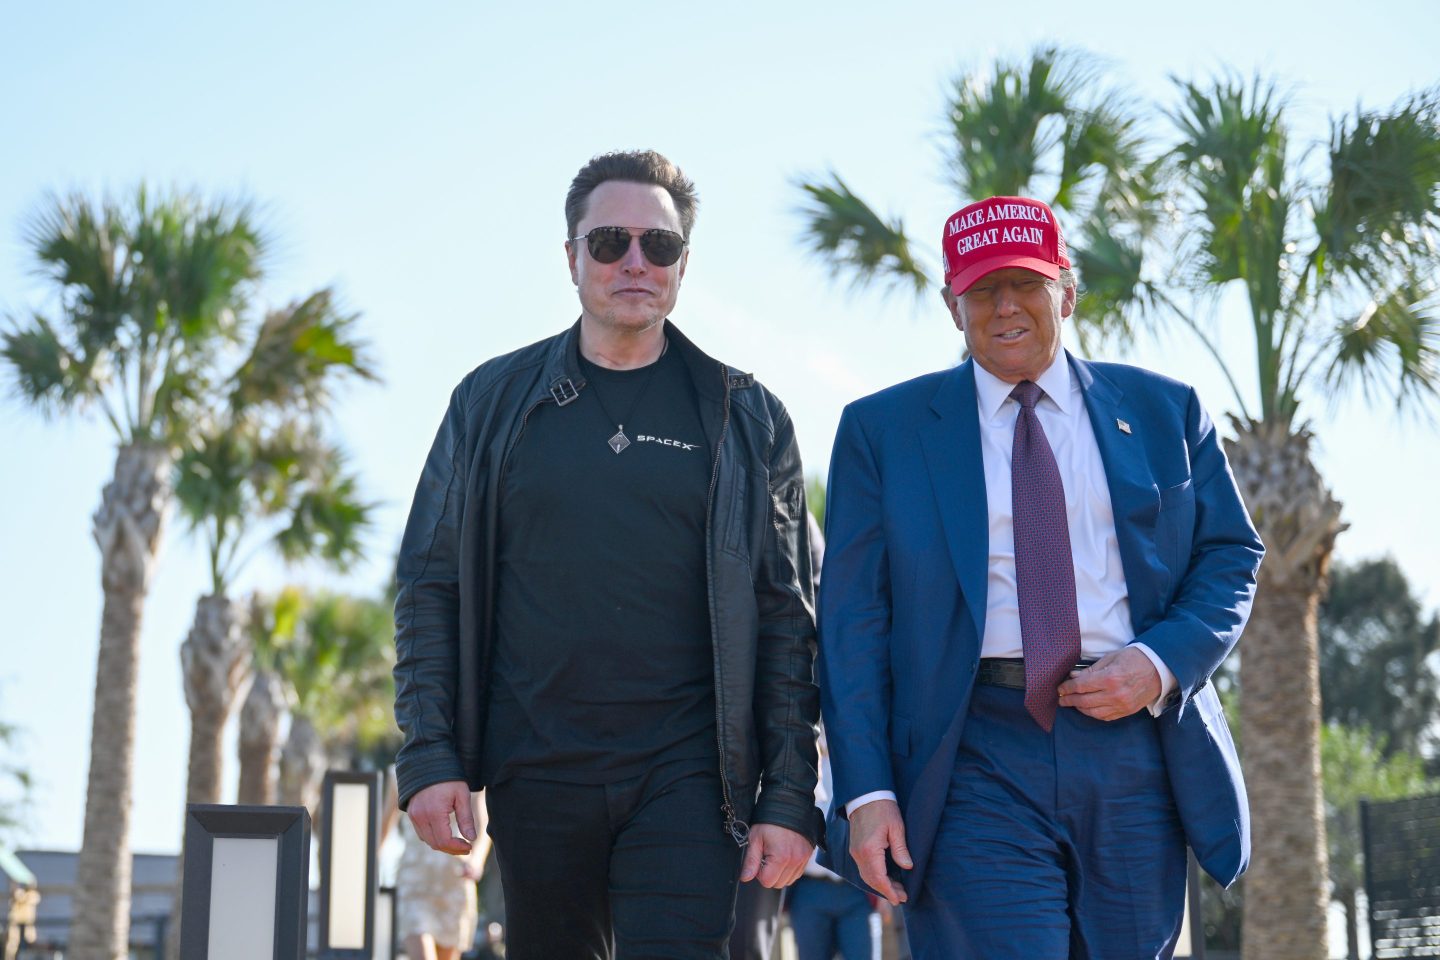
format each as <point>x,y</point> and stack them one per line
<point>677,444</point>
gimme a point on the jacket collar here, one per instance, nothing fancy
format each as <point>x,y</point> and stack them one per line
<point>561,379</point>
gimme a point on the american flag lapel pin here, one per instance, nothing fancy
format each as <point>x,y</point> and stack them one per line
<point>1124,427</point>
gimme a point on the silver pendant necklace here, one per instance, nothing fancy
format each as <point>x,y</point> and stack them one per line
<point>619,442</point>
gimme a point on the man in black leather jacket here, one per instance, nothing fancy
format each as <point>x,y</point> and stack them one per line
<point>604,611</point>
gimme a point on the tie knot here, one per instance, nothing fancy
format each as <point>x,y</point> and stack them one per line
<point>1027,394</point>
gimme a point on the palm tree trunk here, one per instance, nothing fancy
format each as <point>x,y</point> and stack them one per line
<point>1286,891</point>
<point>302,765</point>
<point>127,528</point>
<point>213,662</point>
<point>260,737</point>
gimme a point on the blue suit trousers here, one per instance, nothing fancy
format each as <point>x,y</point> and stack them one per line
<point>1053,846</point>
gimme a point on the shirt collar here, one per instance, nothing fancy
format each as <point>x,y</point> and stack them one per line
<point>1058,382</point>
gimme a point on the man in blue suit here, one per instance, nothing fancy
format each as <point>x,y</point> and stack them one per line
<point>1035,564</point>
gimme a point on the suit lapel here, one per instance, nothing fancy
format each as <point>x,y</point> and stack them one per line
<point>957,476</point>
<point>1122,452</point>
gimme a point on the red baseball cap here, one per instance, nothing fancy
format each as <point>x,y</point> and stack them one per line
<point>997,233</point>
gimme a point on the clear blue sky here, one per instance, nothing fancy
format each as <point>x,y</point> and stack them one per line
<point>416,156</point>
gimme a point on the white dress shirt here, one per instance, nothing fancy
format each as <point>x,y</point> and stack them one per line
<point>1100,594</point>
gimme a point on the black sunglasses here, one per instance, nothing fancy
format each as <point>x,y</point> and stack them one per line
<point>609,244</point>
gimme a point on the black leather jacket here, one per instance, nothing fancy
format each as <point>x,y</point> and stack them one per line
<point>758,567</point>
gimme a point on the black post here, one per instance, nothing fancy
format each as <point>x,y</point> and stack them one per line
<point>289,830</point>
<point>350,784</point>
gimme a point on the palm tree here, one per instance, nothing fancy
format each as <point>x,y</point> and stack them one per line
<point>259,467</point>
<point>146,293</point>
<point>1338,274</point>
<point>332,655</point>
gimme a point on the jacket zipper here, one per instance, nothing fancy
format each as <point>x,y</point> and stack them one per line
<point>738,829</point>
<point>525,418</point>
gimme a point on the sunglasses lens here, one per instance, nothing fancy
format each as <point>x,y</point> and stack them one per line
<point>662,247</point>
<point>607,244</point>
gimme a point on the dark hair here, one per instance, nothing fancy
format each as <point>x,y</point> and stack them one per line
<point>632,166</point>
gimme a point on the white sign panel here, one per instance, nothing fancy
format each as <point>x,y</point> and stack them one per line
<point>242,898</point>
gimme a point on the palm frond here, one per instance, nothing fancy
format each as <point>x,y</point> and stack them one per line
<point>48,373</point>
<point>298,354</point>
<point>1380,210</point>
<point>239,478</point>
<point>1391,347</point>
<point>340,660</point>
<point>200,259</point>
<point>1049,116</point>
<point>328,519</point>
<point>211,475</point>
<point>1116,293</point>
<point>843,230</point>
<point>83,247</point>
<point>180,397</point>
<point>1231,159</point>
<point>1102,145</point>
<point>1003,126</point>
<point>275,623</point>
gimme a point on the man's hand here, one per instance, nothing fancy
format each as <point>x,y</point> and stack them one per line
<point>874,828</point>
<point>430,811</point>
<point>1115,686</point>
<point>776,855</point>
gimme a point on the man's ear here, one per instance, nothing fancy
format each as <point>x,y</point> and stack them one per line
<point>570,253</point>
<point>1067,301</point>
<point>956,308</point>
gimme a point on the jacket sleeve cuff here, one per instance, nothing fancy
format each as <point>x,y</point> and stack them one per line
<point>788,809</point>
<point>417,769</point>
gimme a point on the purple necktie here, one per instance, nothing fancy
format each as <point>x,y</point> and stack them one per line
<point>1044,568</point>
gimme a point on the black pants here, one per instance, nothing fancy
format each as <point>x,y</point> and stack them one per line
<point>638,868</point>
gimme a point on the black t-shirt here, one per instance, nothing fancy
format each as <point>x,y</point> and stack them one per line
<point>603,662</point>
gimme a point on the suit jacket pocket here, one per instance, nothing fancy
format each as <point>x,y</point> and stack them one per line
<point>1175,528</point>
<point>1176,496</point>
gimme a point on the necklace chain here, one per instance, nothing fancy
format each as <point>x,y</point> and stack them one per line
<point>619,442</point>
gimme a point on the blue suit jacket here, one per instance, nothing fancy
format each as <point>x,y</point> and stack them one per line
<point>902,599</point>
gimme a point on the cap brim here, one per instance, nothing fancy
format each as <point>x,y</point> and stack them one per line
<point>966,278</point>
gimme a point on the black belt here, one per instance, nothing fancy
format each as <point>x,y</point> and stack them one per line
<point>1009,672</point>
